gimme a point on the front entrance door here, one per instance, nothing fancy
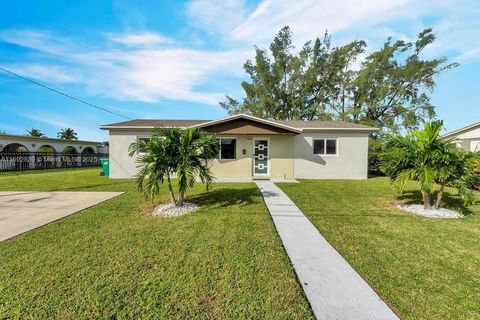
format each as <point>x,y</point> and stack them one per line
<point>261,157</point>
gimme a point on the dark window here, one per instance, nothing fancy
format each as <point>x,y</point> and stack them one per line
<point>146,140</point>
<point>331,146</point>
<point>325,146</point>
<point>228,148</point>
<point>319,146</point>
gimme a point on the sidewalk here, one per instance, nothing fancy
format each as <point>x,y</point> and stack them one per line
<point>333,288</point>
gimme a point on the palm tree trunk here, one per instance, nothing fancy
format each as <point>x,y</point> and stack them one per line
<point>439,197</point>
<point>170,189</point>
<point>427,201</point>
<point>181,198</point>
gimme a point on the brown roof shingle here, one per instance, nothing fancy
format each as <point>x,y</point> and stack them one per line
<point>321,124</point>
<point>299,124</point>
<point>155,122</point>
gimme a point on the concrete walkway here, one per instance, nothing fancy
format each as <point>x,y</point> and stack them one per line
<point>333,288</point>
<point>24,211</point>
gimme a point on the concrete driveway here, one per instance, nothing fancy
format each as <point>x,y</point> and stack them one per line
<point>23,211</point>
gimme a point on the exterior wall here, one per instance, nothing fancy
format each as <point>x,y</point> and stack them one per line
<point>281,156</point>
<point>468,140</point>
<point>290,156</point>
<point>237,169</point>
<point>472,145</point>
<point>470,134</point>
<point>351,161</point>
<point>121,164</point>
<point>33,144</point>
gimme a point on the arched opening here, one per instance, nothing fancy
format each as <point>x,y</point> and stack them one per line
<point>69,157</point>
<point>69,150</point>
<point>45,157</point>
<point>14,156</point>
<point>88,157</point>
<point>46,149</point>
<point>15,147</point>
<point>88,150</point>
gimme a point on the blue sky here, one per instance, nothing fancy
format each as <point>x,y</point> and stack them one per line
<point>174,59</point>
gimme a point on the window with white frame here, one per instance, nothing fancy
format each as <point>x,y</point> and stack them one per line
<point>228,148</point>
<point>325,146</point>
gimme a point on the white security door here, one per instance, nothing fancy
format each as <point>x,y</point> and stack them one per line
<point>260,157</point>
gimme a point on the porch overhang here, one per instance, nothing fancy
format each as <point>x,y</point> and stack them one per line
<point>243,124</point>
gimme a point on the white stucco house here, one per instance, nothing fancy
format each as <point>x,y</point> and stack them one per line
<point>256,148</point>
<point>14,143</point>
<point>466,138</point>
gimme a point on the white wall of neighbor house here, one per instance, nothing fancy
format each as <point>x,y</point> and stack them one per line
<point>468,140</point>
<point>33,144</point>
<point>350,162</point>
<point>121,164</point>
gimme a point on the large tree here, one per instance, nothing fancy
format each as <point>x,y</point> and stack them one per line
<point>326,82</point>
<point>391,91</point>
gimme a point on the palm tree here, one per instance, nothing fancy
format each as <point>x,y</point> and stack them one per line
<point>67,134</point>
<point>184,152</point>
<point>35,133</point>
<point>434,163</point>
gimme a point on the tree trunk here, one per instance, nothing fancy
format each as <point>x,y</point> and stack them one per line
<point>427,201</point>
<point>170,190</point>
<point>439,197</point>
<point>181,198</point>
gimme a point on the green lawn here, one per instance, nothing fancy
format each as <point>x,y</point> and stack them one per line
<point>424,268</point>
<point>111,262</point>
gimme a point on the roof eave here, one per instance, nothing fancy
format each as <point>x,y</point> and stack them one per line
<point>136,127</point>
<point>459,131</point>
<point>342,129</point>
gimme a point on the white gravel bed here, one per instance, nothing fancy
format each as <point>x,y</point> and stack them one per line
<point>440,213</point>
<point>170,210</point>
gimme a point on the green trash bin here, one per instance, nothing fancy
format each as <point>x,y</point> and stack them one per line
<point>105,166</point>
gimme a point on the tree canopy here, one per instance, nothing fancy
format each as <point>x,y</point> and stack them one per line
<point>186,153</point>
<point>388,88</point>
<point>35,133</point>
<point>67,134</point>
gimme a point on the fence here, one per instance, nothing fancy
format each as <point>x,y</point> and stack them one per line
<point>21,161</point>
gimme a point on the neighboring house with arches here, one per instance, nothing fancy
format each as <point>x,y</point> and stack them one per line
<point>25,152</point>
<point>466,138</point>
<point>19,143</point>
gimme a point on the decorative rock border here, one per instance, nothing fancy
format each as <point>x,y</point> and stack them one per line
<point>440,213</point>
<point>170,210</point>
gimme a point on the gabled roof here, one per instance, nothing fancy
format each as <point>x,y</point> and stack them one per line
<point>454,133</point>
<point>295,126</point>
<point>248,117</point>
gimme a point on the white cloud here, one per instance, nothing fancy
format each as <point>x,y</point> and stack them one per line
<point>43,72</point>
<point>216,16</point>
<point>148,66</point>
<point>146,39</point>
<point>137,73</point>
<point>310,18</point>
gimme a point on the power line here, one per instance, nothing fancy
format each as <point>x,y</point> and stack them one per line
<point>64,94</point>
